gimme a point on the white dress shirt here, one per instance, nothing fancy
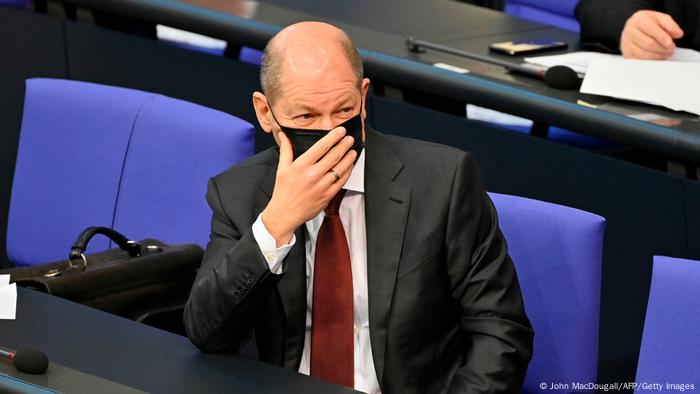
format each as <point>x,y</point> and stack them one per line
<point>352,215</point>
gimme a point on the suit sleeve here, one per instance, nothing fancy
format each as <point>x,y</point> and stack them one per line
<point>500,337</point>
<point>233,282</point>
<point>602,21</point>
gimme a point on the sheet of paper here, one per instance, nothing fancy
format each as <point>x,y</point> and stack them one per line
<point>488,115</point>
<point>4,280</point>
<point>172,34</point>
<point>686,55</point>
<point>8,301</point>
<point>674,85</point>
<point>579,61</point>
<point>450,67</point>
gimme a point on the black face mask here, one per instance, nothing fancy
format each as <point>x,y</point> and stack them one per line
<point>303,139</point>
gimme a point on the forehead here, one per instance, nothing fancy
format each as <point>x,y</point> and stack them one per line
<point>317,80</point>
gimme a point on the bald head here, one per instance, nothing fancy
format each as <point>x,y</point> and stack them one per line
<point>307,50</point>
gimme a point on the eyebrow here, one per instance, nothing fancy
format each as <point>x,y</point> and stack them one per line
<point>346,100</point>
<point>339,104</point>
<point>302,107</point>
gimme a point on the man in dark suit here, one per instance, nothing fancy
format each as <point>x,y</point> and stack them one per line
<point>640,29</point>
<point>371,261</point>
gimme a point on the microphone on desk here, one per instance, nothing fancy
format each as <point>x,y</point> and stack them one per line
<point>32,361</point>
<point>558,77</point>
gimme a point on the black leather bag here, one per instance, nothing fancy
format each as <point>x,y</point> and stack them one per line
<point>139,280</point>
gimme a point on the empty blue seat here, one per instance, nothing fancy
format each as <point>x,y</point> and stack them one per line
<point>251,56</point>
<point>567,137</point>
<point>557,252</point>
<point>524,126</point>
<point>15,3</point>
<point>199,43</point>
<point>95,155</point>
<point>558,13</point>
<point>670,341</point>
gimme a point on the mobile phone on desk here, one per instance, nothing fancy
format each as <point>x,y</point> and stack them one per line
<point>526,47</point>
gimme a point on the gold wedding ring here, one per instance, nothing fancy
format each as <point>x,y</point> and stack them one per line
<point>335,174</point>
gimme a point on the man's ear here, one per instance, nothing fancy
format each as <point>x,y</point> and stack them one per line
<point>262,111</point>
<point>365,89</point>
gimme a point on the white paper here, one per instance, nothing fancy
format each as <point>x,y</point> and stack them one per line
<point>488,115</point>
<point>579,61</point>
<point>674,85</point>
<point>686,55</point>
<point>8,300</point>
<point>450,67</point>
<point>4,280</point>
<point>172,34</point>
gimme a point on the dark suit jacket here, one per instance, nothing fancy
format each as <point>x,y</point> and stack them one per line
<point>445,308</point>
<point>602,21</point>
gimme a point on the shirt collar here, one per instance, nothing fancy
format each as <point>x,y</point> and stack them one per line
<point>356,182</point>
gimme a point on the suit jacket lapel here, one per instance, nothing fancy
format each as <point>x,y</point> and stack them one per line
<point>387,204</point>
<point>292,287</point>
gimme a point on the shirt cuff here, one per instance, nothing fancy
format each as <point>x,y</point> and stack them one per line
<point>268,246</point>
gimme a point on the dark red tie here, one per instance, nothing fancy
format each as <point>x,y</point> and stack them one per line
<point>332,350</point>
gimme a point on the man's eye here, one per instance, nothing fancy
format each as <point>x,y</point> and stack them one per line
<point>347,109</point>
<point>303,117</point>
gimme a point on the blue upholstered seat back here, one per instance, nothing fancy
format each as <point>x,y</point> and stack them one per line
<point>670,341</point>
<point>559,13</point>
<point>250,56</point>
<point>98,155</point>
<point>15,3</point>
<point>557,252</point>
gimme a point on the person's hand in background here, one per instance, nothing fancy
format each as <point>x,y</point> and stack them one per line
<point>649,35</point>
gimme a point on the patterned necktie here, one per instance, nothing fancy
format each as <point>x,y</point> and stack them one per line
<point>332,348</point>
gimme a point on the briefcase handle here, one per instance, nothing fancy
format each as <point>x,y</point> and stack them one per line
<point>78,249</point>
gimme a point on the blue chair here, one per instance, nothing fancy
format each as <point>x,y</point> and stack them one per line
<point>558,13</point>
<point>15,3</point>
<point>670,341</point>
<point>247,55</point>
<point>184,40</point>
<point>251,56</point>
<point>524,126</point>
<point>94,155</point>
<point>563,136</point>
<point>557,252</point>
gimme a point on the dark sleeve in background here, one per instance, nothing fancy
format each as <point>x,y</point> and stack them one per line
<point>602,21</point>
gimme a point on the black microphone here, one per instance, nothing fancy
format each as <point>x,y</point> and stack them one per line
<point>32,361</point>
<point>558,77</point>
